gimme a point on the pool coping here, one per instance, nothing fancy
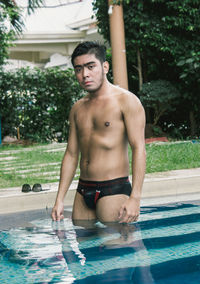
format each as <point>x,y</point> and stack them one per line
<point>163,187</point>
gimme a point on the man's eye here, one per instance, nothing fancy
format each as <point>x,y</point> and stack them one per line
<point>78,70</point>
<point>90,67</point>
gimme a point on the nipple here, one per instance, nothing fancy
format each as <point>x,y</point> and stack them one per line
<point>107,123</point>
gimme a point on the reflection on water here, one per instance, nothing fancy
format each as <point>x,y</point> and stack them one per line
<point>62,252</point>
<point>95,252</point>
<point>162,248</point>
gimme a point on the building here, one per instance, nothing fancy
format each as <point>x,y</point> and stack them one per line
<point>52,32</point>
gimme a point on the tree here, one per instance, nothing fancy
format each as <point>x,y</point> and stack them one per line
<point>6,35</point>
<point>160,96</point>
<point>160,34</point>
<point>11,23</point>
<point>189,74</point>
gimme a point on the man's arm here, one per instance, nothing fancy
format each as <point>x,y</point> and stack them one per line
<point>68,169</point>
<point>134,118</point>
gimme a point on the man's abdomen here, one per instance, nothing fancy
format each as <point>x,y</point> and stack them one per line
<point>104,165</point>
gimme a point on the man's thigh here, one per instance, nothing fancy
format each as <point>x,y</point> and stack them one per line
<point>80,209</point>
<point>108,207</point>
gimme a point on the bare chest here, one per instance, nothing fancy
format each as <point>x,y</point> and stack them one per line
<point>98,119</point>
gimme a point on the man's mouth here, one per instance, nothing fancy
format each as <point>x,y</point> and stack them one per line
<point>87,83</point>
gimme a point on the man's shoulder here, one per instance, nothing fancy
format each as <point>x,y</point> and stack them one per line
<point>126,97</point>
<point>78,104</point>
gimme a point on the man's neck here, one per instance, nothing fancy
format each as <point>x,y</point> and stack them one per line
<point>103,91</point>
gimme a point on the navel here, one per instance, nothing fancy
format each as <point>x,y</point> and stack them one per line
<point>107,123</point>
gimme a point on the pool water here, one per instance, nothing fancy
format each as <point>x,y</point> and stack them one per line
<point>163,247</point>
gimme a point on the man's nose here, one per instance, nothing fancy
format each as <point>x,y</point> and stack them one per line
<point>85,72</point>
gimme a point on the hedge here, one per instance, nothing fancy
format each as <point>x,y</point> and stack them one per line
<point>38,102</point>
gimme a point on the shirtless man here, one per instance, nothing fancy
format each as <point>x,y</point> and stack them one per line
<point>102,124</point>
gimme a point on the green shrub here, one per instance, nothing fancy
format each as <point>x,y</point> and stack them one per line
<point>38,102</point>
<point>160,96</point>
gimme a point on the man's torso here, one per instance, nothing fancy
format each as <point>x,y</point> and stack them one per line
<point>102,138</point>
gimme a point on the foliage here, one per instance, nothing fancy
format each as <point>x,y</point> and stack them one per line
<point>166,34</point>
<point>33,4</point>
<point>6,35</point>
<point>161,96</point>
<point>13,12</point>
<point>191,66</point>
<point>167,29</point>
<point>11,23</point>
<point>189,74</point>
<point>38,101</point>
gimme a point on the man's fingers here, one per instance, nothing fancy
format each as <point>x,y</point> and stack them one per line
<point>124,218</point>
<point>53,215</point>
<point>61,216</point>
<point>121,212</point>
<point>133,218</point>
<point>129,218</point>
<point>57,216</point>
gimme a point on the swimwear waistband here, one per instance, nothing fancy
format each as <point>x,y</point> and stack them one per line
<point>103,183</point>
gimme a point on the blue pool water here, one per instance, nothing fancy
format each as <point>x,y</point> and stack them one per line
<point>163,247</point>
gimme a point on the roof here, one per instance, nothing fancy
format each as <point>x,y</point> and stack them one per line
<point>57,16</point>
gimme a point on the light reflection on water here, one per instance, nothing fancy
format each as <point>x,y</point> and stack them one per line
<point>145,252</point>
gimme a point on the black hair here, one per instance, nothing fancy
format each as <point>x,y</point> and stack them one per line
<point>90,47</point>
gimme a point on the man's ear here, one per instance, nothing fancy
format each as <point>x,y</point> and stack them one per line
<point>106,67</point>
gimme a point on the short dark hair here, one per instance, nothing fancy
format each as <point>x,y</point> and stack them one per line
<point>90,47</point>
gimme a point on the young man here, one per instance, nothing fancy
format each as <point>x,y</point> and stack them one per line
<point>101,126</point>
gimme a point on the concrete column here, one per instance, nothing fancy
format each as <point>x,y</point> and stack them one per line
<point>117,37</point>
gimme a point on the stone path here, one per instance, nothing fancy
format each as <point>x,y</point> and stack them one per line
<point>10,163</point>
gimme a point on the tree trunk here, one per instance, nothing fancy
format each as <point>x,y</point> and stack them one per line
<point>144,67</point>
<point>139,69</point>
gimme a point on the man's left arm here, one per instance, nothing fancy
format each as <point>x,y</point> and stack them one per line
<point>134,119</point>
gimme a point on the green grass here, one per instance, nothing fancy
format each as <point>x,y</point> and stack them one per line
<point>176,156</point>
<point>33,160</point>
<point>43,166</point>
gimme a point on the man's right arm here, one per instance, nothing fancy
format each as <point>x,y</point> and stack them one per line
<point>68,169</point>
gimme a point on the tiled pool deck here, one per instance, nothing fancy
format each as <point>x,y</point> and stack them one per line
<point>159,188</point>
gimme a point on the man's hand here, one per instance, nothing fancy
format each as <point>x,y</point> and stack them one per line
<point>57,213</point>
<point>130,210</point>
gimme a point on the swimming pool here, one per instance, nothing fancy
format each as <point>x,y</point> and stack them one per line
<point>163,247</point>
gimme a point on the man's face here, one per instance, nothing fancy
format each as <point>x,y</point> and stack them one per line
<point>90,72</point>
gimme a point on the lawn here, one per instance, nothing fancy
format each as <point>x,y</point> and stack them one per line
<point>172,156</point>
<point>41,163</point>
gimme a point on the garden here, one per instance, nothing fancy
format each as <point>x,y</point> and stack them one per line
<point>163,58</point>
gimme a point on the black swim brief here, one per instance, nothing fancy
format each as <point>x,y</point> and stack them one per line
<point>94,190</point>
